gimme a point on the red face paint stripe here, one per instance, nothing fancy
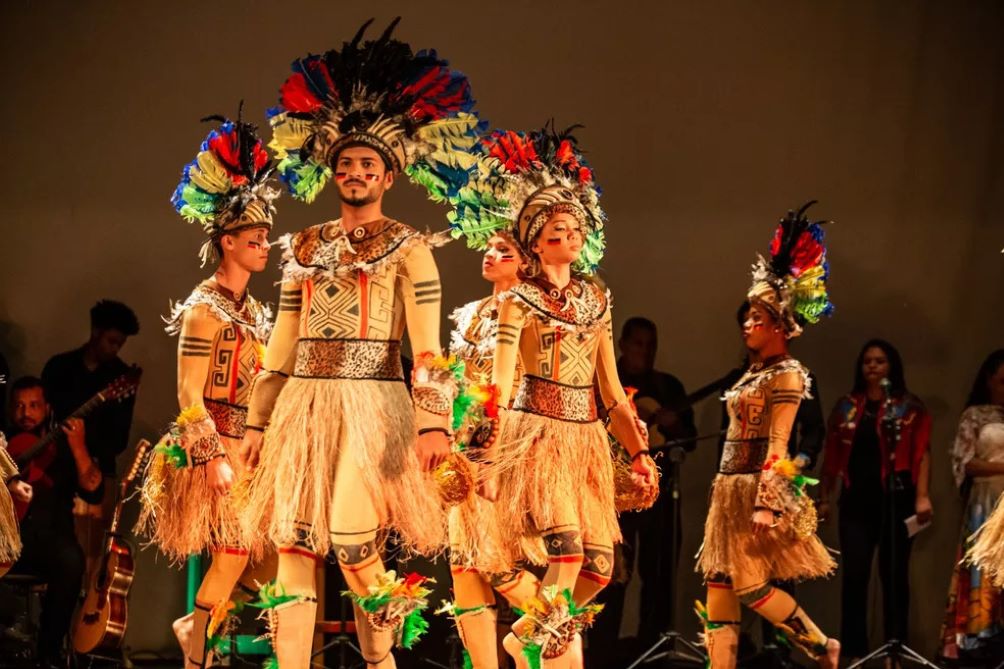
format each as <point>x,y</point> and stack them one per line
<point>463,570</point>
<point>231,551</point>
<point>720,586</point>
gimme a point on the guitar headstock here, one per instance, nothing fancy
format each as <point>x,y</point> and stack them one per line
<point>137,462</point>
<point>124,386</point>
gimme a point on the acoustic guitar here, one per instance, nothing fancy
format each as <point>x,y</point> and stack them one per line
<point>101,621</point>
<point>33,455</point>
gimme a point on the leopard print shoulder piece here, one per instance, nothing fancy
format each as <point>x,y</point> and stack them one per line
<point>327,250</point>
<point>476,329</point>
<point>251,315</point>
<point>578,307</point>
<point>760,376</point>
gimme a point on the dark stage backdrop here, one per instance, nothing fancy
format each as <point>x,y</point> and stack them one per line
<point>704,121</point>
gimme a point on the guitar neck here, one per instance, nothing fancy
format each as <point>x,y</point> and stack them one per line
<point>137,462</point>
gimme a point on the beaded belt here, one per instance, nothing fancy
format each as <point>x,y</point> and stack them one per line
<point>743,456</point>
<point>378,360</point>
<point>229,419</point>
<point>575,404</point>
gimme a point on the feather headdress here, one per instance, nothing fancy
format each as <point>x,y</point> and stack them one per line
<point>519,181</point>
<point>792,284</point>
<point>226,188</point>
<point>409,107</point>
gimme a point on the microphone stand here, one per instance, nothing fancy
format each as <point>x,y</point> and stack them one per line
<point>893,649</point>
<point>692,654</point>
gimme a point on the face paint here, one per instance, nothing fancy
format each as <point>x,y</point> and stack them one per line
<point>371,177</point>
<point>340,176</point>
<point>554,241</point>
<point>507,258</point>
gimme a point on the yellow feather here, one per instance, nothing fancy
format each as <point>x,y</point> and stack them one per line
<point>209,175</point>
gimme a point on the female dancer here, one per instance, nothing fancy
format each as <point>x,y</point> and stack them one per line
<point>549,464</point>
<point>760,527</point>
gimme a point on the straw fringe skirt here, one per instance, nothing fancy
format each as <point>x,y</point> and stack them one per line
<point>319,425</point>
<point>10,535</point>
<point>730,546</point>
<point>987,551</point>
<point>182,516</point>
<point>549,472</point>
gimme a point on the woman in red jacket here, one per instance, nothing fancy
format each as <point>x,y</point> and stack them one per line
<point>861,449</point>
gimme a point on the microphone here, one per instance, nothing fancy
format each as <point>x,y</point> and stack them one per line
<point>886,385</point>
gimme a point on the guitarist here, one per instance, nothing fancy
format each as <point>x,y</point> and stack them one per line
<point>70,379</point>
<point>50,549</point>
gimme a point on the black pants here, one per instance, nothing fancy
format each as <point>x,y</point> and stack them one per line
<point>647,535</point>
<point>56,557</point>
<point>865,527</point>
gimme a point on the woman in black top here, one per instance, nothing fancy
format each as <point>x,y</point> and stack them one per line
<point>861,444</point>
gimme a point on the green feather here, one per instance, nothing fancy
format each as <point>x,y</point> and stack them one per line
<point>533,652</point>
<point>173,453</point>
<point>412,628</point>
<point>271,662</point>
<point>304,179</point>
<point>271,595</point>
<point>468,662</point>
<point>369,603</point>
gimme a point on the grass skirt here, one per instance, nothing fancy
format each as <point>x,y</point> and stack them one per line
<point>550,472</point>
<point>730,546</point>
<point>371,423</point>
<point>987,551</point>
<point>181,516</point>
<point>475,536</point>
<point>10,535</point>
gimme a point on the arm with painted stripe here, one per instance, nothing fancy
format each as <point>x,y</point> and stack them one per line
<point>512,320</point>
<point>433,390</point>
<point>199,329</point>
<point>279,357</point>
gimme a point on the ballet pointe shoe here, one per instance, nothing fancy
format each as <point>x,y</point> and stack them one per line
<point>831,659</point>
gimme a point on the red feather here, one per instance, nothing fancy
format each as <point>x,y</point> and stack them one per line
<point>296,96</point>
<point>224,146</point>
<point>807,253</point>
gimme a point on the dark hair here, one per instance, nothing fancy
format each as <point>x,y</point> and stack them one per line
<point>26,383</point>
<point>980,394</point>
<point>897,380</point>
<point>741,313</point>
<point>637,323</point>
<point>111,315</point>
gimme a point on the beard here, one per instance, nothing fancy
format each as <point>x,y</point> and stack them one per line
<point>367,197</point>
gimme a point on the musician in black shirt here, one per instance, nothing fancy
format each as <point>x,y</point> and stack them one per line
<point>50,550</point>
<point>73,377</point>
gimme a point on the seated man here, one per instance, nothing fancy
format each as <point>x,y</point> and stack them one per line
<point>50,549</point>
